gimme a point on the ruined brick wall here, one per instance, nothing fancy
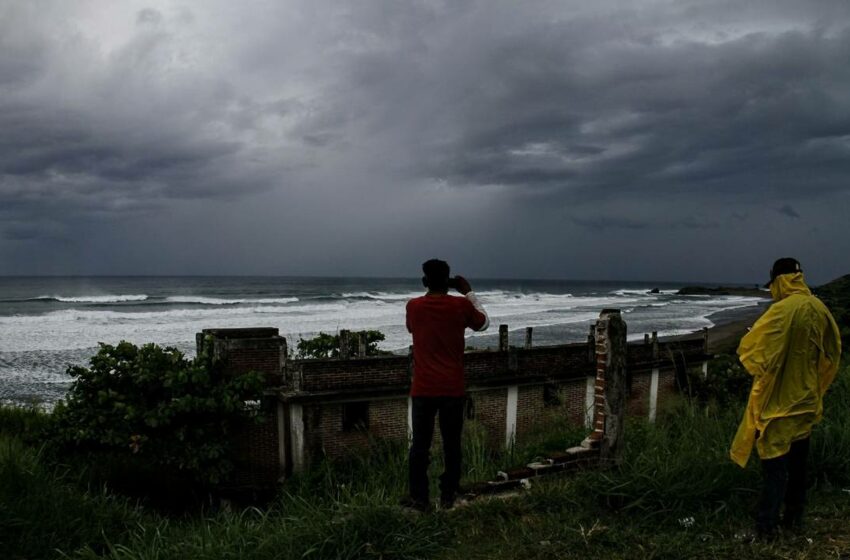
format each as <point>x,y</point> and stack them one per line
<point>638,403</point>
<point>532,405</point>
<point>335,375</point>
<point>666,383</point>
<point>490,408</point>
<point>327,436</point>
<point>511,389</point>
<point>257,459</point>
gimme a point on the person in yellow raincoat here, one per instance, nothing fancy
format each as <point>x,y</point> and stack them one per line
<point>792,352</point>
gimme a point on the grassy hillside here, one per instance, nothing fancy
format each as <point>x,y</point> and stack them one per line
<point>676,496</point>
<point>836,296</point>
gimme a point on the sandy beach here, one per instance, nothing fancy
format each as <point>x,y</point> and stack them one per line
<point>729,327</point>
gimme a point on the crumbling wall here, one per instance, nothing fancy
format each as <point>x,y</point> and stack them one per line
<point>327,408</point>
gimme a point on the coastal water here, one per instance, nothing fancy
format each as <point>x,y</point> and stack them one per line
<point>47,323</point>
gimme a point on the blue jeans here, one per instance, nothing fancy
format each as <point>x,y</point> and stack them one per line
<point>424,410</point>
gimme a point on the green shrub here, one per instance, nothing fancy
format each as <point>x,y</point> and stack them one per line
<point>727,382</point>
<point>153,404</point>
<point>43,509</point>
<point>327,345</point>
<point>26,422</point>
<point>679,465</point>
<point>830,447</point>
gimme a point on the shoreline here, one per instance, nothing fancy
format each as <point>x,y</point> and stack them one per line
<point>729,327</point>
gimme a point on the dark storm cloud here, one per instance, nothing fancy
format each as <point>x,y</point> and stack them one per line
<point>609,114</point>
<point>789,211</point>
<point>389,123</point>
<point>86,133</point>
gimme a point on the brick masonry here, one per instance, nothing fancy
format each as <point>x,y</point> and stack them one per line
<point>314,394</point>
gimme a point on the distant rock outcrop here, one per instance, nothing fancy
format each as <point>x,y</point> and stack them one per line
<point>836,296</point>
<point>723,291</point>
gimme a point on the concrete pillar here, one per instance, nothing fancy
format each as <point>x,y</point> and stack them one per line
<point>653,383</point>
<point>503,338</point>
<point>281,438</point>
<point>361,345</point>
<point>409,419</point>
<point>611,448</point>
<point>344,344</point>
<point>296,437</point>
<point>653,394</point>
<point>609,398</point>
<point>589,402</point>
<point>510,419</point>
<point>528,332</point>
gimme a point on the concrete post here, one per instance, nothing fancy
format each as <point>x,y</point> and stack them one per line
<point>344,345</point>
<point>528,332</point>
<point>503,338</point>
<point>654,379</point>
<point>610,388</point>
<point>361,345</point>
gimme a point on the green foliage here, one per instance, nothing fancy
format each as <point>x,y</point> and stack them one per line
<point>43,510</point>
<point>28,423</point>
<point>830,447</point>
<point>675,470</point>
<point>679,465</point>
<point>836,296</point>
<point>726,384</point>
<point>153,404</point>
<point>327,345</point>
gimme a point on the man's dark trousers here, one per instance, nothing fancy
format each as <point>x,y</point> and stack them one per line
<point>450,411</point>
<point>784,480</point>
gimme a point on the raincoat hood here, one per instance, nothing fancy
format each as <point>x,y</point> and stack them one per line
<point>792,352</point>
<point>786,285</point>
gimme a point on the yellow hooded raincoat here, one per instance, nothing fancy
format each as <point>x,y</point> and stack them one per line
<point>792,352</point>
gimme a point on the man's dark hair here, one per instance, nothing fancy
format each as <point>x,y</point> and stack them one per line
<point>436,275</point>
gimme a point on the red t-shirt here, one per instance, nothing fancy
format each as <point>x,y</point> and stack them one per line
<point>437,323</point>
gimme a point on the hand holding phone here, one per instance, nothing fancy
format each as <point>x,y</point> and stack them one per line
<point>460,284</point>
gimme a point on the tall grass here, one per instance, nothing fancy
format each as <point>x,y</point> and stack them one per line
<point>42,509</point>
<point>830,447</point>
<point>677,468</point>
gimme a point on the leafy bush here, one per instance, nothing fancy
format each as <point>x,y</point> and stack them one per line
<point>43,509</point>
<point>727,382</point>
<point>830,451</point>
<point>28,423</point>
<point>154,404</point>
<point>327,345</point>
<point>680,464</point>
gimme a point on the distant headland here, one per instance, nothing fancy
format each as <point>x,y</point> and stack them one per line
<point>753,291</point>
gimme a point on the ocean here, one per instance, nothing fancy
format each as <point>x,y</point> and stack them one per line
<point>48,323</point>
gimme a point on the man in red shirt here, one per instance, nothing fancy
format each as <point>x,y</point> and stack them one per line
<point>437,322</point>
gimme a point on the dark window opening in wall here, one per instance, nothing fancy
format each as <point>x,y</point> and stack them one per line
<point>355,417</point>
<point>551,395</point>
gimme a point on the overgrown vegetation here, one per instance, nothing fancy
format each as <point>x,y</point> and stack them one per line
<point>836,296</point>
<point>325,345</point>
<point>677,495</point>
<point>154,405</point>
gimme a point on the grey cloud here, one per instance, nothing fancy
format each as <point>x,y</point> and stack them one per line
<point>493,122</point>
<point>789,211</point>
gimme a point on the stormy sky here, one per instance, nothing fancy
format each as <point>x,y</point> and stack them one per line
<point>654,140</point>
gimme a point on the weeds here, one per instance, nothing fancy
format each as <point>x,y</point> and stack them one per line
<point>674,470</point>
